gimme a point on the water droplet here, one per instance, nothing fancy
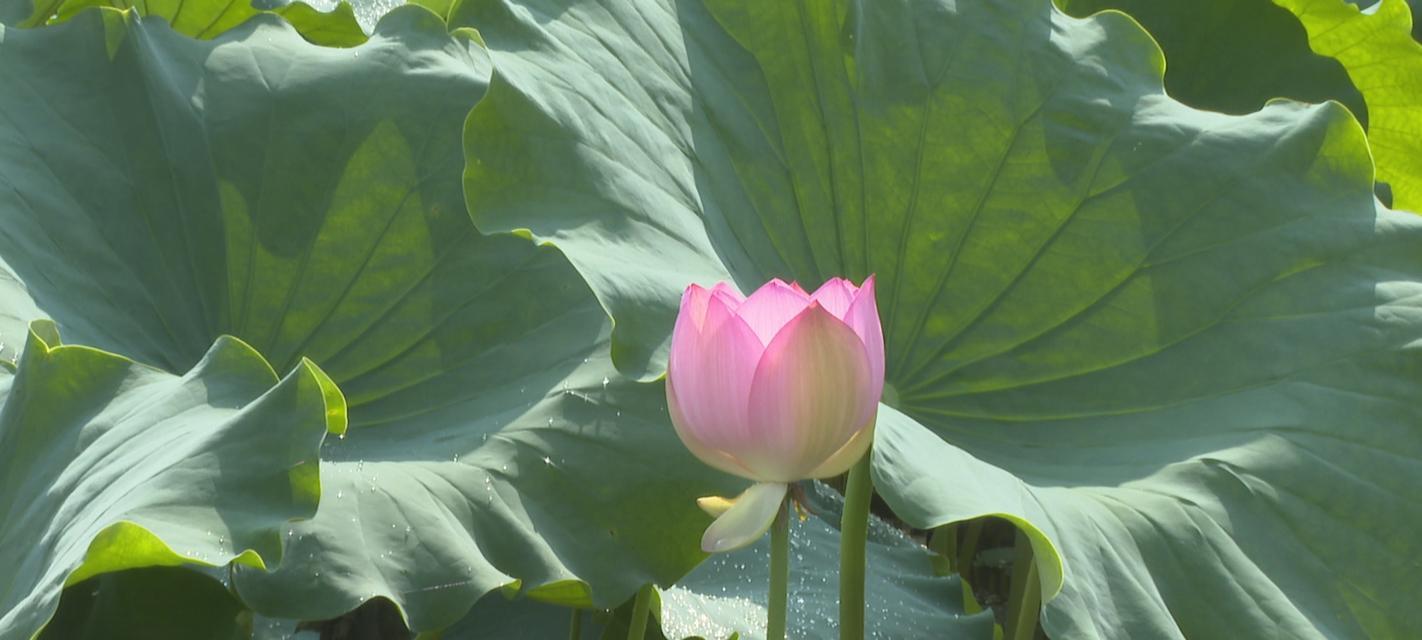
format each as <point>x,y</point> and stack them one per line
<point>341,436</point>
<point>360,465</point>
<point>550,422</point>
<point>340,494</point>
<point>548,461</point>
<point>605,381</point>
<point>456,457</point>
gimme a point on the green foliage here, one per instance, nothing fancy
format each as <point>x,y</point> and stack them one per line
<point>1233,55</point>
<point>107,465</point>
<point>1385,63</point>
<point>1177,348</point>
<point>210,19</point>
<point>1151,332</point>
<point>153,603</point>
<point>726,595</point>
<point>484,414</point>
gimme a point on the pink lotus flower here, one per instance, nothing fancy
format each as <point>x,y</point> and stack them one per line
<point>778,387</point>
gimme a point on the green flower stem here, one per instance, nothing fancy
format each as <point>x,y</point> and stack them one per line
<point>575,625</point>
<point>779,574</point>
<point>854,528</point>
<point>637,628</point>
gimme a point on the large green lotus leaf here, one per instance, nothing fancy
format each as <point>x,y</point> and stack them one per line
<point>727,595</point>
<point>309,201</point>
<point>1233,55</point>
<point>1181,345</point>
<point>107,465</point>
<point>153,603</point>
<point>209,18</point>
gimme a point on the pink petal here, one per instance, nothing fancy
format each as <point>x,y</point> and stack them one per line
<point>747,520</point>
<point>847,455</point>
<point>709,377</point>
<point>863,317</point>
<point>715,458</point>
<point>728,294</point>
<point>771,306</point>
<point>835,295</point>
<point>812,392</point>
<point>692,314</point>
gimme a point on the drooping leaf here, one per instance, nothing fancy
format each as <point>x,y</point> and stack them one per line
<point>1181,345</point>
<point>727,594</point>
<point>155,603</point>
<point>1385,63</point>
<point>17,311</point>
<point>497,617</point>
<point>1233,55</point>
<point>210,18</point>
<point>309,201</point>
<point>108,465</point>
<point>1236,55</point>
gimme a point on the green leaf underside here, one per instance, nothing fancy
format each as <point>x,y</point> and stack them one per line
<point>108,465</point>
<point>726,595</point>
<point>1182,343</point>
<point>296,196</point>
<point>1385,63</point>
<point>155,603</point>
<point>210,18</point>
<point>1233,56</point>
<point>496,616</point>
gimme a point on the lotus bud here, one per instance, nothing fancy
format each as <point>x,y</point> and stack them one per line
<point>777,387</point>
